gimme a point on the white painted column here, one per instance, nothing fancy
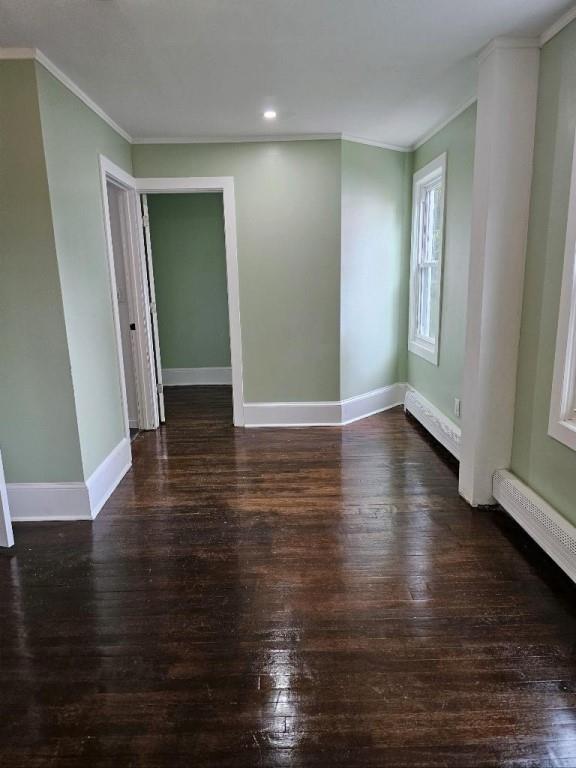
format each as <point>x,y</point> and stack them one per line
<point>507,94</point>
<point>6,535</point>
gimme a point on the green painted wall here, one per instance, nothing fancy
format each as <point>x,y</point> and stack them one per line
<point>288,220</point>
<point>442,383</point>
<point>189,254</point>
<point>38,433</point>
<point>74,136</point>
<point>540,461</point>
<point>376,186</point>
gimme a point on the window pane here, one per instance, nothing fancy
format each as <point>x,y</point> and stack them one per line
<point>425,288</point>
<point>424,326</point>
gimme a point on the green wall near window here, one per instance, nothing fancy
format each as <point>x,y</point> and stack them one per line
<point>189,256</point>
<point>376,187</point>
<point>442,383</point>
<point>540,461</point>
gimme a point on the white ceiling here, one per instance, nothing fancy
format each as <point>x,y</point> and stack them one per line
<point>383,70</point>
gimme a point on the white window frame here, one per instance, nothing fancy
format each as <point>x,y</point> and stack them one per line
<point>562,423</point>
<point>427,348</point>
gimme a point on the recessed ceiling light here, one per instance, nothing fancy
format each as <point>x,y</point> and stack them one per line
<point>270,114</point>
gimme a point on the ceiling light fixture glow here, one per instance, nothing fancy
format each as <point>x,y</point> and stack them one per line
<point>270,114</point>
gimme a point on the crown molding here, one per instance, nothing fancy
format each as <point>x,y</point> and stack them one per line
<point>268,138</point>
<point>35,55</point>
<point>501,43</point>
<point>17,53</point>
<point>558,26</point>
<point>371,143</point>
<point>263,138</point>
<point>437,128</point>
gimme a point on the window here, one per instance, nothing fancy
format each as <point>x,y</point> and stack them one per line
<point>562,424</point>
<point>426,260</point>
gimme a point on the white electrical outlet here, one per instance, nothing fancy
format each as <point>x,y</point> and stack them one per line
<point>457,407</point>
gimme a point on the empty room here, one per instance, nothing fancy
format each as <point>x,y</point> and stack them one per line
<point>288,384</point>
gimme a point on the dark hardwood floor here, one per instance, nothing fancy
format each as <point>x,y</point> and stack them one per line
<point>294,598</point>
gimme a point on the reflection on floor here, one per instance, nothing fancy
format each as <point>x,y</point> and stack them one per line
<point>133,434</point>
<point>276,597</point>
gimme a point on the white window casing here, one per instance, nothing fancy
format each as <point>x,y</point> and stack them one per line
<point>562,424</point>
<point>428,200</point>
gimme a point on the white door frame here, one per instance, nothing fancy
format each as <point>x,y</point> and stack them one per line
<point>145,374</point>
<point>224,184</point>
<point>137,294</point>
<point>6,534</point>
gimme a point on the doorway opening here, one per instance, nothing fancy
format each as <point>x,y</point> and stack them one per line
<point>184,235</point>
<point>174,282</point>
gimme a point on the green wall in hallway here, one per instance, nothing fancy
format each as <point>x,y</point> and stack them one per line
<point>74,136</point>
<point>189,255</point>
<point>442,383</point>
<point>546,465</point>
<point>38,432</point>
<point>376,188</point>
<point>288,220</point>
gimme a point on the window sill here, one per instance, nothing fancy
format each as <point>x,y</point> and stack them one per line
<point>426,351</point>
<point>564,432</point>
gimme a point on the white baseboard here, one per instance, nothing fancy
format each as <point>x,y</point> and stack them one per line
<point>542,522</point>
<point>331,413</point>
<point>106,477</point>
<point>185,377</point>
<point>318,414</point>
<point>43,502</point>
<point>440,426</point>
<point>361,406</point>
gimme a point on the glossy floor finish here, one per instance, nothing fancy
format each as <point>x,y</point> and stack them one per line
<point>309,597</point>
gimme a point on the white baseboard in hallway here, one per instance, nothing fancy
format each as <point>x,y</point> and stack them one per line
<point>44,502</point>
<point>440,426</point>
<point>548,528</point>
<point>331,413</point>
<point>361,406</point>
<point>186,377</point>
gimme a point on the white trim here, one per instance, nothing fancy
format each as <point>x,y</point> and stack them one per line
<point>105,478</point>
<point>372,143</point>
<point>313,414</point>
<point>238,139</point>
<point>36,55</point>
<point>6,534</point>
<point>224,184</point>
<point>137,294</point>
<point>563,397</point>
<point>267,139</point>
<point>558,26</point>
<point>12,54</point>
<point>427,350</point>
<point>540,520</point>
<point>440,426</point>
<point>185,377</point>
<point>331,413</point>
<point>44,502</point>
<point>376,401</point>
<point>439,126</point>
<point>499,43</point>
